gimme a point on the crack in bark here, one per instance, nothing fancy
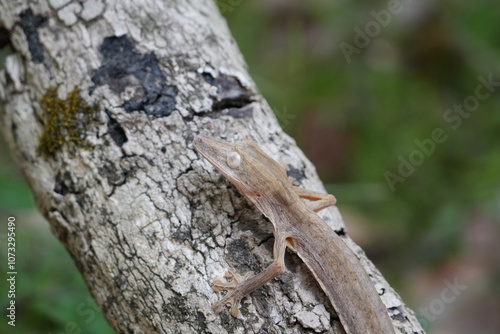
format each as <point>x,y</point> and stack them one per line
<point>115,130</point>
<point>232,98</point>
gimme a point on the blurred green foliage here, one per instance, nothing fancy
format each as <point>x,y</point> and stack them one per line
<point>394,92</point>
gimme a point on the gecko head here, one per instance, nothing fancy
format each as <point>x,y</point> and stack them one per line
<point>245,165</point>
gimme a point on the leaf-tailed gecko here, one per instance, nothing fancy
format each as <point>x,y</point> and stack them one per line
<point>296,226</point>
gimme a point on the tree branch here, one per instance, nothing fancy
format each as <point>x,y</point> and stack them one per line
<point>149,224</point>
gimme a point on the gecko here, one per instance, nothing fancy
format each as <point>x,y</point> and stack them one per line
<point>296,226</point>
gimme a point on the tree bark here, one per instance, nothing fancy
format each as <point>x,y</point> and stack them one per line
<point>148,222</point>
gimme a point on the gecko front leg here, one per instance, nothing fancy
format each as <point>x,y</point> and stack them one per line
<point>241,286</point>
<point>319,201</point>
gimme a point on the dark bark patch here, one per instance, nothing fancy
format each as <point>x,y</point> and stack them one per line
<point>123,67</point>
<point>29,24</point>
<point>341,232</point>
<point>295,173</point>
<point>230,92</point>
<point>65,183</point>
<point>116,132</point>
<point>109,302</point>
<point>176,309</point>
<point>115,175</point>
<point>60,186</point>
<point>13,130</point>
<point>239,251</point>
<point>182,235</point>
<point>200,322</point>
<point>398,313</point>
<point>5,43</point>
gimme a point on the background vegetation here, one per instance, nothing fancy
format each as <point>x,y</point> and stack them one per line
<point>356,119</point>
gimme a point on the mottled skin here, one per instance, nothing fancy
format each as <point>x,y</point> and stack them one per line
<point>296,226</point>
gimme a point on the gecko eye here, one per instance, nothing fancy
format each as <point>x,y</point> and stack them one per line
<point>233,160</point>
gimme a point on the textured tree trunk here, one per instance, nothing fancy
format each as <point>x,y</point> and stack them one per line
<point>108,154</point>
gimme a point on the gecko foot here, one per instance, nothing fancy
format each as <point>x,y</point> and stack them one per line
<point>233,297</point>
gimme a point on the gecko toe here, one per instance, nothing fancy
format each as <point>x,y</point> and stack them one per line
<point>232,299</point>
<point>235,310</point>
<point>232,281</point>
<point>219,286</point>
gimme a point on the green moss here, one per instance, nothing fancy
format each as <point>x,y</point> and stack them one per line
<point>66,121</point>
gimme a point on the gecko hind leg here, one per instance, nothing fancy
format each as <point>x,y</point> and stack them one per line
<point>240,286</point>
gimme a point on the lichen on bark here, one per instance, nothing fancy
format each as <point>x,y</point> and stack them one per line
<point>66,121</point>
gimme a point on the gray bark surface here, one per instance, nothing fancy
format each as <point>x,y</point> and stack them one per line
<point>148,222</point>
